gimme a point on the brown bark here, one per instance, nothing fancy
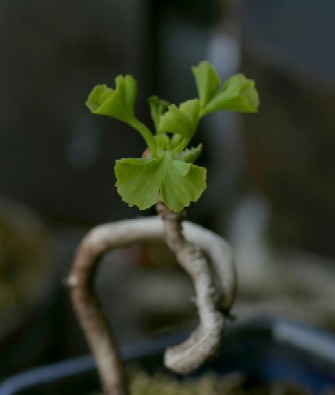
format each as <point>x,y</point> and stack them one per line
<point>93,321</point>
<point>205,340</point>
<point>190,241</point>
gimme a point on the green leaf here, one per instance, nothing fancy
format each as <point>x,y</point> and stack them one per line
<point>190,155</point>
<point>183,120</point>
<point>126,90</point>
<point>184,183</point>
<point>238,94</point>
<point>117,103</point>
<point>157,108</point>
<point>140,182</point>
<point>207,81</point>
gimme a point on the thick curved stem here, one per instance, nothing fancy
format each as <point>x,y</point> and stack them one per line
<point>121,234</point>
<point>92,319</point>
<point>205,340</point>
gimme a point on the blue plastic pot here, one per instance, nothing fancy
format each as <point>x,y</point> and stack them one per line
<point>263,349</point>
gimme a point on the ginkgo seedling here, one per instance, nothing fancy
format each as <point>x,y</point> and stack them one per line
<point>166,176</point>
<point>168,172</point>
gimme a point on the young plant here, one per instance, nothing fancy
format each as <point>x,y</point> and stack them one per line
<point>167,177</point>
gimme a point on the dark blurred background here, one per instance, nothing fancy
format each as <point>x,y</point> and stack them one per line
<point>271,176</point>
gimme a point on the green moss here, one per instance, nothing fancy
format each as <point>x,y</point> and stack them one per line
<point>162,384</point>
<point>209,384</point>
<point>143,384</point>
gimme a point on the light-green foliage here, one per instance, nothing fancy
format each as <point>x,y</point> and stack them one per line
<point>168,172</point>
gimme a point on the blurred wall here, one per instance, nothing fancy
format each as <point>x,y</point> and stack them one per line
<point>288,48</point>
<point>58,158</point>
<point>54,155</point>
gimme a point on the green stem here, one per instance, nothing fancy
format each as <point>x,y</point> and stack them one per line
<point>176,139</point>
<point>165,142</point>
<point>146,134</point>
<point>181,146</point>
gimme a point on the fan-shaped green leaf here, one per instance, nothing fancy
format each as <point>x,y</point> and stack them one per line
<point>183,183</point>
<point>207,81</point>
<point>190,155</point>
<point>141,181</point>
<point>238,94</point>
<point>117,103</point>
<point>183,120</point>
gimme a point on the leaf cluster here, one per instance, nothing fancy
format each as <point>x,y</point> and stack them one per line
<point>168,171</point>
